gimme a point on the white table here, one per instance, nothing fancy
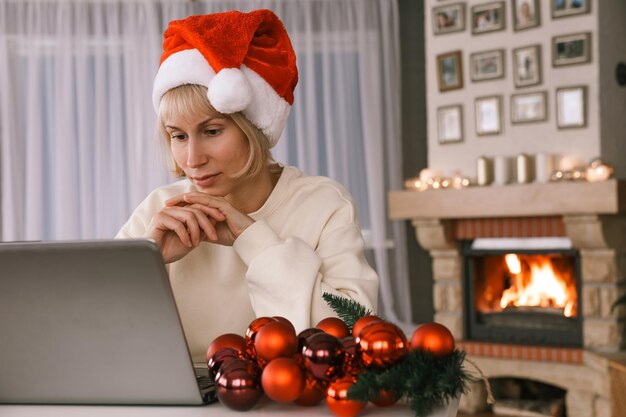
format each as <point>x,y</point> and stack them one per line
<point>263,409</point>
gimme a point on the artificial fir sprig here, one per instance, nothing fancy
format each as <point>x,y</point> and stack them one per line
<point>427,382</point>
<point>348,310</point>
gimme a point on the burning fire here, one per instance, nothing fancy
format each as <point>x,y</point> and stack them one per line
<point>542,286</point>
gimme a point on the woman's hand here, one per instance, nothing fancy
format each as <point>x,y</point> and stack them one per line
<point>226,222</point>
<point>179,229</point>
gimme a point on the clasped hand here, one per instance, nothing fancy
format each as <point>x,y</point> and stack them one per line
<point>189,219</point>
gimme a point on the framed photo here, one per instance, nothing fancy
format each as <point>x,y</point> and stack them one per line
<point>487,65</point>
<point>564,8</point>
<point>449,18</point>
<point>527,66</point>
<point>571,49</point>
<point>488,17</point>
<point>450,71</point>
<point>526,14</point>
<point>571,107</point>
<point>529,107</point>
<point>450,124</point>
<point>488,115</point>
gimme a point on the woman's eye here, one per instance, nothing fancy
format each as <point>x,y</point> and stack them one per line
<point>178,137</point>
<point>212,132</point>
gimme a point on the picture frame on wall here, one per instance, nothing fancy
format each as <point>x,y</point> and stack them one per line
<point>488,112</point>
<point>449,18</point>
<point>450,71</point>
<point>565,8</point>
<point>526,14</point>
<point>488,17</point>
<point>527,66</point>
<point>529,107</point>
<point>487,65</point>
<point>450,124</point>
<point>571,49</point>
<point>571,107</point>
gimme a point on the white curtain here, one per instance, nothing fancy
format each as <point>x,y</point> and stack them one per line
<point>79,147</point>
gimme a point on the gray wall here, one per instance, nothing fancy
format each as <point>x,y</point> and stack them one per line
<point>612,50</point>
<point>415,144</point>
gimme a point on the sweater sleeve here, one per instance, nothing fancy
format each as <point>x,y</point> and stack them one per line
<point>137,224</point>
<point>287,277</point>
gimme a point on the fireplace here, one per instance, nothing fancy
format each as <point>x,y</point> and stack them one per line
<point>521,296</point>
<point>570,344</point>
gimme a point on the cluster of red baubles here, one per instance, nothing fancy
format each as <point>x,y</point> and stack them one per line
<point>319,363</point>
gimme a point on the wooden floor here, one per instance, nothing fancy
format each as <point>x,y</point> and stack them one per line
<point>485,414</point>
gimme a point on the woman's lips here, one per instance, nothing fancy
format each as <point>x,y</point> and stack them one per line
<point>206,180</point>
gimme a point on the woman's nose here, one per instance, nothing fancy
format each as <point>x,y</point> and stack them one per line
<point>195,154</point>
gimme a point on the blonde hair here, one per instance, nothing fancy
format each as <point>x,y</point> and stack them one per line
<point>192,98</point>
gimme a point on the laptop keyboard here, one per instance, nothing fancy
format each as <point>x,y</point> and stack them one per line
<point>206,385</point>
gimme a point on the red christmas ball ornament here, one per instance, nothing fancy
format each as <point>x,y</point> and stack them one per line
<point>337,398</point>
<point>313,393</point>
<point>251,332</point>
<point>304,334</point>
<point>322,355</point>
<point>283,380</point>
<point>435,338</point>
<point>385,398</point>
<point>284,320</point>
<point>221,358</point>
<point>274,340</point>
<point>382,343</point>
<point>352,362</point>
<point>230,340</point>
<point>334,326</point>
<point>253,329</point>
<point>362,322</point>
<point>238,385</point>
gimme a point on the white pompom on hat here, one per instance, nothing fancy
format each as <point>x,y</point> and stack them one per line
<point>245,60</point>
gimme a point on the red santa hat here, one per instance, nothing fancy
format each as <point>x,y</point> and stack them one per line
<point>244,59</point>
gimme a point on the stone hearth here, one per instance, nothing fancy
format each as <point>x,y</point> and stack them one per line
<point>592,216</point>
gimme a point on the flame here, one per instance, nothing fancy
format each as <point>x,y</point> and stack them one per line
<point>541,287</point>
<point>513,263</point>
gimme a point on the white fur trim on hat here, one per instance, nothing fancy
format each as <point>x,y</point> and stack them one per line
<point>184,67</point>
<point>229,91</point>
<point>267,110</point>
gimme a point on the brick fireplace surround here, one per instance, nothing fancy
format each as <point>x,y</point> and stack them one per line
<point>593,216</point>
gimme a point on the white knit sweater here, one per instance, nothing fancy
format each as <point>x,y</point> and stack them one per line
<point>305,241</point>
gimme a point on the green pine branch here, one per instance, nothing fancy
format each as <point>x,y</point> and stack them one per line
<point>427,382</point>
<point>348,310</point>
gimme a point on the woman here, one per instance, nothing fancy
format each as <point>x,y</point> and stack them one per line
<point>243,236</point>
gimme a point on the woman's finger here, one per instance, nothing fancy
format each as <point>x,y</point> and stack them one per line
<point>218,204</point>
<point>187,220</point>
<point>182,199</point>
<point>212,212</point>
<point>175,201</point>
<point>206,223</point>
<point>165,221</point>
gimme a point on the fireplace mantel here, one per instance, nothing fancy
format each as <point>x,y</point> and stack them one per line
<point>591,215</point>
<point>569,198</point>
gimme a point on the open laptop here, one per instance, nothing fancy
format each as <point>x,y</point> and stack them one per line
<point>92,322</point>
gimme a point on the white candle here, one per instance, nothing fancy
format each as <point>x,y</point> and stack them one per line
<point>544,165</point>
<point>483,171</point>
<point>523,168</point>
<point>501,170</point>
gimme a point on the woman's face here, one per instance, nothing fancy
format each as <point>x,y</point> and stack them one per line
<point>209,149</point>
